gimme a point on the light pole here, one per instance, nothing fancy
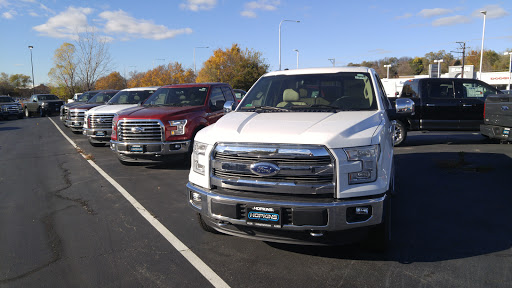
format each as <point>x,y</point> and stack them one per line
<point>509,68</point>
<point>333,61</point>
<point>297,21</point>
<point>32,64</point>
<point>438,67</point>
<point>387,68</point>
<point>297,50</point>
<point>195,57</point>
<point>482,50</point>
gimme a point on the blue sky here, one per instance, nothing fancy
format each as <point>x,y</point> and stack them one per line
<point>143,33</point>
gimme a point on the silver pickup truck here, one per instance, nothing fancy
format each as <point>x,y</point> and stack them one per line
<point>498,117</point>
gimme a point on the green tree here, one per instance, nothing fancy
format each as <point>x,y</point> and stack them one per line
<point>240,68</point>
<point>417,65</point>
<point>64,72</point>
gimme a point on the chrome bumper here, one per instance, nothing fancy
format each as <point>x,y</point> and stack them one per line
<point>77,124</point>
<point>92,134</point>
<point>336,211</point>
<point>144,149</point>
<point>496,132</point>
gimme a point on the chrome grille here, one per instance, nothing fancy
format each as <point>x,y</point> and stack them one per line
<point>73,114</point>
<point>140,131</point>
<point>98,121</point>
<point>13,108</point>
<point>306,170</point>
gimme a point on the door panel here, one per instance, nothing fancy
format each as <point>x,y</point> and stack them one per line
<point>440,108</point>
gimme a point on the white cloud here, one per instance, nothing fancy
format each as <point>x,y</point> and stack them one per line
<point>264,5</point>
<point>8,15</point>
<point>429,13</point>
<point>196,5</point>
<point>33,14</point>
<point>452,20</point>
<point>119,22</point>
<point>493,12</point>
<point>66,24</point>
<point>405,16</point>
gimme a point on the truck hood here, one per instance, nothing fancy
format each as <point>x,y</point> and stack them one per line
<point>110,109</point>
<point>141,112</point>
<point>334,130</point>
<point>74,104</point>
<point>86,106</point>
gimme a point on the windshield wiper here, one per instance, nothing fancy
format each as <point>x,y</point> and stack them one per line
<point>315,107</point>
<point>259,109</point>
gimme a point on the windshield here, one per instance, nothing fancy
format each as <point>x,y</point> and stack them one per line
<point>47,97</point>
<point>345,91</point>
<point>178,96</point>
<point>131,97</point>
<point>6,99</point>
<point>102,97</point>
<point>86,96</point>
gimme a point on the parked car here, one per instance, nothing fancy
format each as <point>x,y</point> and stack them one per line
<point>165,125</point>
<point>305,158</point>
<point>76,114</point>
<point>42,104</point>
<point>64,110</point>
<point>98,120</point>
<point>9,107</point>
<point>443,104</point>
<point>498,117</point>
<point>239,94</point>
<point>75,97</point>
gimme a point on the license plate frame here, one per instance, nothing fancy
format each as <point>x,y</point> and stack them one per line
<point>136,148</point>
<point>264,216</point>
<point>506,131</point>
<point>100,134</point>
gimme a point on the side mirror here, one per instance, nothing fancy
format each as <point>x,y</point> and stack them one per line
<point>397,93</point>
<point>35,100</point>
<point>404,106</point>
<point>229,106</point>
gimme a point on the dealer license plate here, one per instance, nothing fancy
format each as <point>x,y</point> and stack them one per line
<point>506,131</point>
<point>264,216</point>
<point>101,134</point>
<point>136,148</point>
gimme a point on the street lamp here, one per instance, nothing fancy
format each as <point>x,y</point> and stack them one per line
<point>509,68</point>
<point>32,64</point>
<point>482,50</point>
<point>280,38</point>
<point>296,50</point>
<point>195,57</point>
<point>387,68</point>
<point>333,61</point>
<point>439,67</point>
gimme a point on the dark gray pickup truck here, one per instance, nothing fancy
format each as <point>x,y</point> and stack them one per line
<point>498,117</point>
<point>42,104</point>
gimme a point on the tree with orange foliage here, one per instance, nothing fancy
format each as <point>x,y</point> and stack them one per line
<point>240,68</point>
<point>113,80</point>
<point>172,73</point>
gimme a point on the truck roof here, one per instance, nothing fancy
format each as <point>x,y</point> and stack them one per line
<point>320,71</point>
<point>194,84</point>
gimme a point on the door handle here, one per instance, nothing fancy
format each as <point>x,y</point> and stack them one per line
<point>466,105</point>
<point>431,105</point>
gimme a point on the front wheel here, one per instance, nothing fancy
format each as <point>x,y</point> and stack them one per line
<point>42,113</point>
<point>27,114</point>
<point>205,226</point>
<point>400,133</point>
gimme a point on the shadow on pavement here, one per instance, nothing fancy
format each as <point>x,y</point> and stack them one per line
<point>448,206</point>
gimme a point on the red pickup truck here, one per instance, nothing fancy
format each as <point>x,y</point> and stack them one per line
<point>165,125</point>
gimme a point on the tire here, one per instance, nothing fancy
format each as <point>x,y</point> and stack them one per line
<point>205,226</point>
<point>42,113</point>
<point>379,236</point>
<point>400,133</point>
<point>27,113</point>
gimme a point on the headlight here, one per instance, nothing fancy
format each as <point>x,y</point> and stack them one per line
<point>44,104</point>
<point>199,157</point>
<point>177,127</point>
<point>368,155</point>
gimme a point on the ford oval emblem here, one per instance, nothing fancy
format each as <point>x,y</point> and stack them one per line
<point>264,169</point>
<point>137,130</point>
<point>100,120</point>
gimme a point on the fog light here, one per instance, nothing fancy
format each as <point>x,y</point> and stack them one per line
<point>362,210</point>
<point>175,146</point>
<point>195,199</point>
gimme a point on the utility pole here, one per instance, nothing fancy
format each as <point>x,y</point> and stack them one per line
<point>463,48</point>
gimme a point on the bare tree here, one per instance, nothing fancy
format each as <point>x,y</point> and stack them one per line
<point>93,58</point>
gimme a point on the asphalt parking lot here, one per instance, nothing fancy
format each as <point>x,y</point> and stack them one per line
<point>64,225</point>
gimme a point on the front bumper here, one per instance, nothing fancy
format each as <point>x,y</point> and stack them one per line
<point>75,123</point>
<point>98,135</point>
<point>149,152</point>
<point>496,132</point>
<point>307,222</point>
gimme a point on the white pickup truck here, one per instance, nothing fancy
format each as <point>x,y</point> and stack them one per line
<point>306,156</point>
